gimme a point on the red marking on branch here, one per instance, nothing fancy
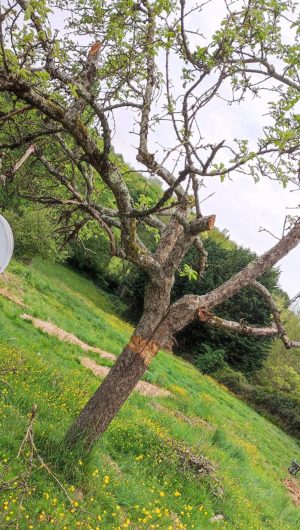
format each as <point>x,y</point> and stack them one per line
<point>97,46</point>
<point>203,314</point>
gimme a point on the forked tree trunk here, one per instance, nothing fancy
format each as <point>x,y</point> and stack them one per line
<point>112,393</point>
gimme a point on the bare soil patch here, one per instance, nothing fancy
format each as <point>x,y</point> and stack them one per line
<point>293,488</point>
<point>143,387</point>
<point>147,389</point>
<point>7,294</point>
<point>52,329</point>
<point>11,289</point>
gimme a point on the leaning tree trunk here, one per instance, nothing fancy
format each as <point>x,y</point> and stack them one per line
<point>126,372</point>
<point>113,392</point>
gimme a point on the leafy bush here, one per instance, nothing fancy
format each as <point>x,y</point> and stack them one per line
<point>281,407</point>
<point>90,255</point>
<point>234,380</point>
<point>34,234</point>
<point>210,360</point>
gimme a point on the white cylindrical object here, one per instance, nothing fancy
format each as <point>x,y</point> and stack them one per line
<point>6,243</point>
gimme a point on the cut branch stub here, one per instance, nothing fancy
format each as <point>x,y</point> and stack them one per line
<point>95,48</point>
<point>211,222</point>
<point>202,224</point>
<point>203,314</point>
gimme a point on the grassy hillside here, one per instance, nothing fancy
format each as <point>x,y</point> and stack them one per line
<point>135,477</point>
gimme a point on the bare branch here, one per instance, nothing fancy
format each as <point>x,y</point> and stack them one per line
<point>276,330</point>
<point>166,196</point>
<point>276,315</point>
<point>239,327</point>
<point>183,311</point>
<point>86,79</point>
<point>293,300</point>
<point>198,244</point>
<point>81,202</point>
<point>16,143</point>
<point>22,160</point>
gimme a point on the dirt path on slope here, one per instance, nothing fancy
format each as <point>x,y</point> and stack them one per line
<point>11,288</point>
<point>147,389</point>
<point>293,488</point>
<point>143,387</point>
<point>6,294</point>
<point>64,336</point>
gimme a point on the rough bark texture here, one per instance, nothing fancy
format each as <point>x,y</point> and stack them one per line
<point>184,310</point>
<point>115,389</point>
<point>240,327</point>
<point>108,398</point>
<point>133,362</point>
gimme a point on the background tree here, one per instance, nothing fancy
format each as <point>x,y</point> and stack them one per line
<point>69,88</point>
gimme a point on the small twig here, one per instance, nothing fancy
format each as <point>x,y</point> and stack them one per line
<point>8,370</point>
<point>14,113</point>
<point>29,438</point>
<point>13,484</point>
<point>292,300</point>
<point>208,197</point>
<point>6,383</point>
<point>29,433</point>
<point>261,229</point>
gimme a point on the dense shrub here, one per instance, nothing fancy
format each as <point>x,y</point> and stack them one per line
<point>234,380</point>
<point>90,255</point>
<point>210,360</point>
<point>34,234</point>
<point>281,407</point>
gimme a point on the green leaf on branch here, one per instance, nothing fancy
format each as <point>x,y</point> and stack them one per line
<point>189,273</point>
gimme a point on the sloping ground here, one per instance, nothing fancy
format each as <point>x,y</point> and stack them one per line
<point>10,288</point>
<point>147,389</point>
<point>51,329</point>
<point>101,371</point>
<point>144,473</point>
<point>144,388</point>
<point>293,487</point>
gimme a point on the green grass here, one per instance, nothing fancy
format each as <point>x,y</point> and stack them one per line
<point>134,477</point>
